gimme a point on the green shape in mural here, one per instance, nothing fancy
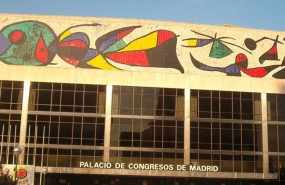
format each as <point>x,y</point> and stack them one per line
<point>26,43</point>
<point>219,50</point>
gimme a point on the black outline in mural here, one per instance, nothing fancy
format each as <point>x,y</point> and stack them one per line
<point>235,69</point>
<point>219,48</point>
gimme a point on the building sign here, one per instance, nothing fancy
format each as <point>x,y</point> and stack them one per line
<point>147,166</point>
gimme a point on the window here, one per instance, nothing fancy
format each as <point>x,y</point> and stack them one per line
<point>225,105</point>
<point>11,95</point>
<point>68,97</point>
<point>276,107</point>
<point>149,119</point>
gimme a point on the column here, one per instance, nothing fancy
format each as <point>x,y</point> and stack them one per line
<point>264,133</point>
<point>24,119</point>
<point>107,134</point>
<point>187,126</point>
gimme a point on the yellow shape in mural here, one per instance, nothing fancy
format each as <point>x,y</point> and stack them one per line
<point>192,42</point>
<point>101,63</point>
<point>65,34</point>
<point>146,42</point>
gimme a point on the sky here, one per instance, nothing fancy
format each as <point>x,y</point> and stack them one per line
<point>257,14</point>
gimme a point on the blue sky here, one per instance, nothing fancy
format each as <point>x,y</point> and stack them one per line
<point>258,14</point>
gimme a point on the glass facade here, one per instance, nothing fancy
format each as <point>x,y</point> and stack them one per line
<point>147,125</point>
<point>276,132</point>
<point>226,130</point>
<point>66,124</point>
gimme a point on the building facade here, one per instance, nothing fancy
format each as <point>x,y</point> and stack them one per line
<point>142,102</point>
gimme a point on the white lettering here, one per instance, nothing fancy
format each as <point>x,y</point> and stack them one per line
<point>208,168</point>
<point>146,166</point>
<point>198,168</point>
<point>181,167</point>
<point>192,168</point>
<point>102,165</point>
<point>138,166</point>
<point>81,164</point>
<point>120,165</point>
<point>203,168</point>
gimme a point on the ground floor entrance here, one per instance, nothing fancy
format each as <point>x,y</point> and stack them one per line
<point>76,179</point>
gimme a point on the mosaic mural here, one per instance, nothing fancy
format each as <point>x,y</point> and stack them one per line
<point>35,43</point>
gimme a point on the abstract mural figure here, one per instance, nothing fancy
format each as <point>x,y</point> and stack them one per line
<point>35,43</point>
<point>271,54</point>
<point>242,62</point>
<point>231,70</point>
<point>156,49</point>
<point>235,69</point>
<point>25,43</point>
<point>219,48</point>
<point>280,74</point>
<point>74,48</point>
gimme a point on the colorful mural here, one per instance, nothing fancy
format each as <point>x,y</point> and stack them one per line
<point>35,43</point>
<point>241,63</point>
<point>219,48</point>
